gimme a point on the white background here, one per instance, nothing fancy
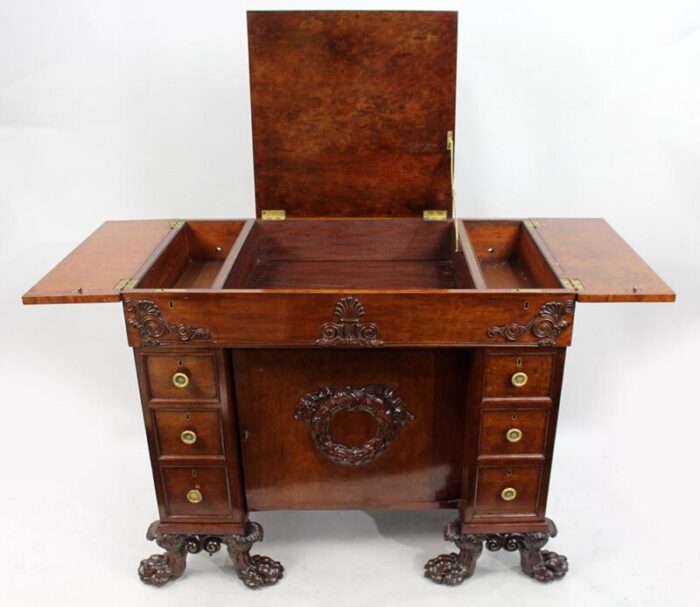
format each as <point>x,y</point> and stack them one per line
<point>140,109</point>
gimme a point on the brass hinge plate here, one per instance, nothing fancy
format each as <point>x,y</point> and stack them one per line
<point>434,215</point>
<point>572,283</point>
<point>532,223</point>
<point>274,215</point>
<point>174,224</point>
<point>125,284</point>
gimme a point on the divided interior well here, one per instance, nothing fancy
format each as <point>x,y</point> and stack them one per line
<point>507,257</point>
<point>195,256</point>
<point>350,254</point>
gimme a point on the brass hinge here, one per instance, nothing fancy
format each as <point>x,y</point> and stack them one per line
<point>174,224</point>
<point>274,215</point>
<point>572,283</point>
<point>532,223</point>
<point>434,215</point>
<point>125,284</point>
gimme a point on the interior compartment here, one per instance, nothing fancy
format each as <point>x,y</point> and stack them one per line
<point>348,253</point>
<point>505,256</point>
<point>194,257</point>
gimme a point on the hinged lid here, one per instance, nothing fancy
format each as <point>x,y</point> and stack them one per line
<point>351,111</point>
<point>108,262</point>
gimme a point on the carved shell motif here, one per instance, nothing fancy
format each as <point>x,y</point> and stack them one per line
<point>349,330</point>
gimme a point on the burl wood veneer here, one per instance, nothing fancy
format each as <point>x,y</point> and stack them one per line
<point>366,349</point>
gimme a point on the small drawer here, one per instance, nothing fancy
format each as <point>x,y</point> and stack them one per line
<point>182,377</point>
<point>516,375</point>
<point>196,492</point>
<point>507,491</point>
<point>513,431</point>
<point>188,433</point>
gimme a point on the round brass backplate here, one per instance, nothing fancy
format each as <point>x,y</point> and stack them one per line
<point>181,380</point>
<point>514,435</point>
<point>189,437</point>
<point>194,496</point>
<point>519,379</point>
<point>509,494</point>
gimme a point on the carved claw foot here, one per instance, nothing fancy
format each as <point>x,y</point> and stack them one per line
<point>255,571</point>
<point>159,569</point>
<point>547,566</point>
<point>452,569</point>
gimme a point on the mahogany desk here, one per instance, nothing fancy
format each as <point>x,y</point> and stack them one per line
<point>354,346</point>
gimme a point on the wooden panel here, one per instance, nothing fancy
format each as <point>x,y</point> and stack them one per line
<point>501,367</point>
<point>116,250</point>
<point>492,480</point>
<point>283,467</point>
<point>210,481</point>
<point>591,251</point>
<point>351,111</point>
<point>199,368</point>
<point>170,424</point>
<point>495,424</point>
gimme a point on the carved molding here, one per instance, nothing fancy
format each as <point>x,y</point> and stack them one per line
<point>255,571</point>
<point>453,568</point>
<point>386,407</point>
<point>547,326</point>
<point>146,317</point>
<point>348,328</point>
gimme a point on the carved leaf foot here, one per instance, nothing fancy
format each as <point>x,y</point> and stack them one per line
<point>453,568</point>
<point>255,571</point>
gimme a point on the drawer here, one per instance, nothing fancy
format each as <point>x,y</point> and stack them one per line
<point>196,492</point>
<point>182,377</point>
<point>507,491</point>
<point>513,431</point>
<point>503,370</point>
<point>188,433</point>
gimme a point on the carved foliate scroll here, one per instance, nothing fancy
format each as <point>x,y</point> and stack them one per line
<point>386,407</point>
<point>146,317</point>
<point>547,326</point>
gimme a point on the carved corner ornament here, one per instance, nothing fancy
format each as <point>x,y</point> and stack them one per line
<point>146,317</point>
<point>348,328</point>
<point>386,407</point>
<point>547,326</point>
<point>453,568</point>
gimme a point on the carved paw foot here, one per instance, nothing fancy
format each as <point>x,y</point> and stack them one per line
<point>552,566</point>
<point>446,569</point>
<point>262,571</point>
<point>256,571</point>
<point>157,570</point>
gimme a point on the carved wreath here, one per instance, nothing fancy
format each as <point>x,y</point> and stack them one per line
<point>386,407</point>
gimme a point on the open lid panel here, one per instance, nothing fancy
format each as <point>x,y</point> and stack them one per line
<point>351,112</point>
<point>590,257</point>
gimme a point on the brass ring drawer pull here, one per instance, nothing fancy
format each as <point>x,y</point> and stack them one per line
<point>181,380</point>
<point>512,436</point>
<point>509,494</point>
<point>189,437</point>
<point>519,379</point>
<point>194,496</point>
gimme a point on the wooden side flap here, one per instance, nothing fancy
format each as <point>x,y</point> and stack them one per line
<point>104,264</point>
<point>590,257</point>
